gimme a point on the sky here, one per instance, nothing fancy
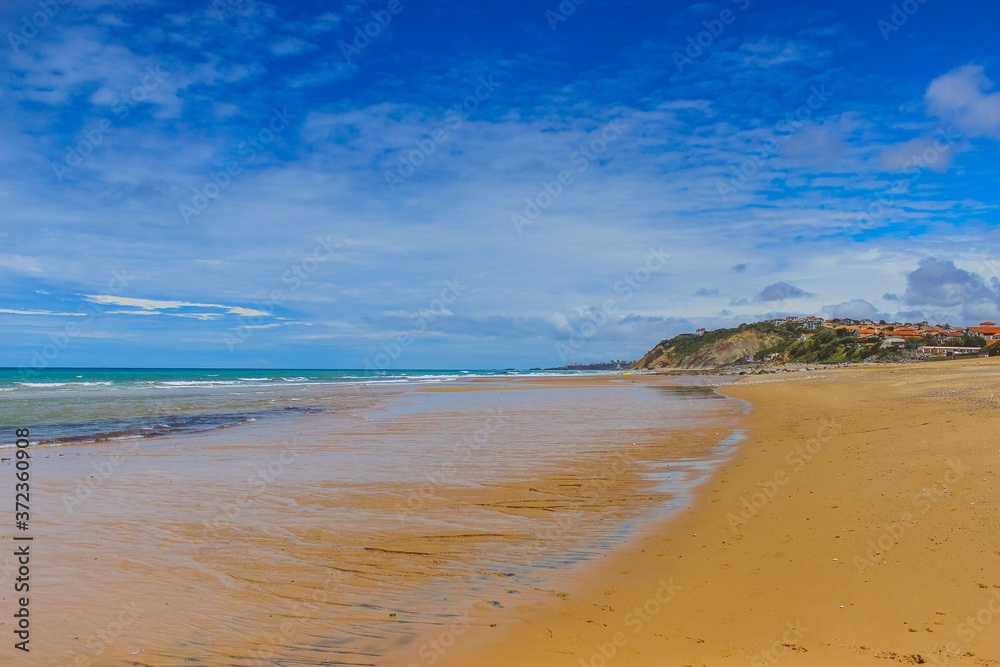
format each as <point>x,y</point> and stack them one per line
<point>428,184</point>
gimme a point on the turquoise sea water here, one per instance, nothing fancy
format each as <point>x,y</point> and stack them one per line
<point>100,404</point>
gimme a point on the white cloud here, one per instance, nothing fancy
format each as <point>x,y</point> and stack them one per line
<point>10,311</point>
<point>960,97</point>
<point>149,305</point>
<point>291,46</point>
<point>855,309</point>
<point>136,312</point>
<point>769,52</point>
<point>930,152</point>
<point>406,314</point>
<point>19,263</point>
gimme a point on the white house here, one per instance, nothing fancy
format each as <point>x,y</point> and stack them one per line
<point>945,350</point>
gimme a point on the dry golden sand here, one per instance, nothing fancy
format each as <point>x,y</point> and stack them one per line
<point>882,547</point>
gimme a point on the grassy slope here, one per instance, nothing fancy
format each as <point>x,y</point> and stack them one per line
<point>992,350</point>
<point>685,347</point>
<point>827,346</point>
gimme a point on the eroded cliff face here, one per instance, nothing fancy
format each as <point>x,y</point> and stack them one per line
<point>730,349</point>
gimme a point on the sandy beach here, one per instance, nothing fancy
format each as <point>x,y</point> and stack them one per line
<point>398,333</point>
<point>342,533</point>
<point>857,525</point>
<point>593,521</point>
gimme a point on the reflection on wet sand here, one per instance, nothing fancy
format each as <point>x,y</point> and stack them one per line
<point>342,537</point>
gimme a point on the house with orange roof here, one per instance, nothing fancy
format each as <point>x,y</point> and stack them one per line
<point>988,330</point>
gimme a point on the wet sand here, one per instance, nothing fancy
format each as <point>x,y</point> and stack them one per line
<point>344,537</point>
<point>857,525</point>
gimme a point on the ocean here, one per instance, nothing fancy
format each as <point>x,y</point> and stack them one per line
<point>95,404</point>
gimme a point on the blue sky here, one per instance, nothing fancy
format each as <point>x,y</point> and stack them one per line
<point>237,183</point>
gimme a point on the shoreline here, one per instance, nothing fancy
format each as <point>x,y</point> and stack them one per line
<point>855,525</point>
<point>343,534</point>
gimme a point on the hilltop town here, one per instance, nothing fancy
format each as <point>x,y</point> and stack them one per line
<point>813,339</point>
<point>925,338</point>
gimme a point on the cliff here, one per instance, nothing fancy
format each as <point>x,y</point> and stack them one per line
<point>761,339</point>
<point>715,348</point>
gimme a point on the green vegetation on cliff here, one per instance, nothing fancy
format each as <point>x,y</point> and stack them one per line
<point>715,348</point>
<point>762,340</point>
<point>831,346</point>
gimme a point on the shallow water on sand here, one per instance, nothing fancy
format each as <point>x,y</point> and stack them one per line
<point>338,535</point>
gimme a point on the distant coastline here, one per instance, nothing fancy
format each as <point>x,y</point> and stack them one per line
<point>613,365</point>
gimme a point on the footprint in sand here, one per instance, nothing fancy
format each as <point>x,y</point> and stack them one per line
<point>487,605</point>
